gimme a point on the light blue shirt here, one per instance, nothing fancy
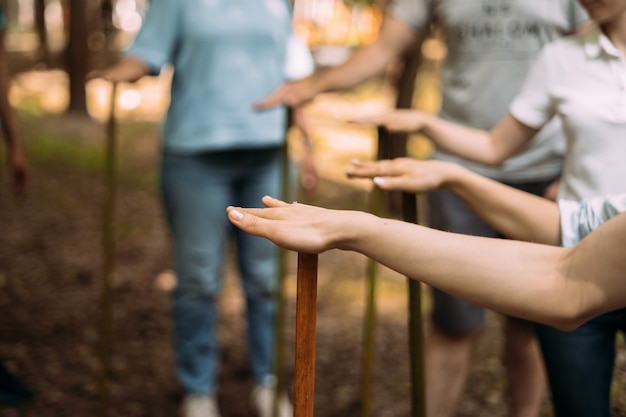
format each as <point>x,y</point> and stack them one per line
<point>226,55</point>
<point>578,219</point>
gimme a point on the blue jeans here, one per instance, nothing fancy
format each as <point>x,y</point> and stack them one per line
<point>196,190</point>
<point>580,365</point>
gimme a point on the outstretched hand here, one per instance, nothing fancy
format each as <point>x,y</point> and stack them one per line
<point>129,69</point>
<point>404,174</point>
<point>298,227</point>
<point>290,94</point>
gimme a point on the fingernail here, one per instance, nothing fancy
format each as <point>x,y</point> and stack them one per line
<point>236,214</point>
<point>379,181</point>
<point>356,161</point>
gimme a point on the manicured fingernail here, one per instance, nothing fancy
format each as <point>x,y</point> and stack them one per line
<point>236,214</point>
<point>379,181</point>
<point>356,161</point>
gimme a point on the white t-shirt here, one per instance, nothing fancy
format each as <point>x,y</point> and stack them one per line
<point>491,46</point>
<point>582,79</point>
<point>578,219</point>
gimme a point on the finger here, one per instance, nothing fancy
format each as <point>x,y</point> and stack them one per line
<point>398,184</point>
<point>244,219</point>
<point>375,169</point>
<point>270,202</point>
<point>365,121</point>
<point>273,100</point>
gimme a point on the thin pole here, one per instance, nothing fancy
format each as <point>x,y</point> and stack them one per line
<point>279,334</point>
<point>406,88</point>
<point>108,251</point>
<point>304,367</point>
<point>369,325</point>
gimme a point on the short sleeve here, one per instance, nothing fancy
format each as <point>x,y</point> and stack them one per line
<point>579,15</point>
<point>580,219</point>
<point>533,105</point>
<point>158,36</point>
<point>415,13</point>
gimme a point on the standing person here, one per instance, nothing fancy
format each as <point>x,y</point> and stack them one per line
<point>580,79</point>
<point>12,389</point>
<point>491,46</point>
<point>16,155</point>
<point>217,151</point>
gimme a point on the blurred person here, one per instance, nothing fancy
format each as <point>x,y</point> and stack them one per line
<point>580,79</point>
<point>12,389</point>
<point>536,282</point>
<point>490,47</point>
<point>16,155</point>
<point>217,151</point>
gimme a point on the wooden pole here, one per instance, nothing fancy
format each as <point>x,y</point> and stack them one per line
<point>304,367</point>
<point>406,88</point>
<point>108,252</point>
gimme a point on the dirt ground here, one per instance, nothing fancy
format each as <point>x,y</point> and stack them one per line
<point>51,284</point>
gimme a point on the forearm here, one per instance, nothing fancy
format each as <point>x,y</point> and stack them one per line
<point>514,278</point>
<point>370,60</point>
<point>517,214</point>
<point>468,143</point>
<point>364,64</point>
<point>129,69</point>
<point>492,147</point>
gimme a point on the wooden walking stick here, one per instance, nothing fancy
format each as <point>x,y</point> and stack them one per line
<point>304,367</point>
<point>406,88</point>
<point>108,251</point>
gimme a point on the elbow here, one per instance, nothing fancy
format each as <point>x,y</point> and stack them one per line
<point>567,324</point>
<point>571,316</point>
<point>495,156</point>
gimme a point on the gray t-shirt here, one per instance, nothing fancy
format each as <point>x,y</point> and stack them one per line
<point>578,219</point>
<point>491,46</point>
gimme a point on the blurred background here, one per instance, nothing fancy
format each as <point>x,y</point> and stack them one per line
<point>51,243</point>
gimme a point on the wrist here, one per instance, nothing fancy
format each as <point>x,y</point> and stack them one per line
<point>453,175</point>
<point>352,229</point>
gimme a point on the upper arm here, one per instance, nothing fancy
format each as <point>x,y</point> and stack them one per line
<point>395,37</point>
<point>600,255</point>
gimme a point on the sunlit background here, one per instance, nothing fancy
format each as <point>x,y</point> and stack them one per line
<point>331,28</point>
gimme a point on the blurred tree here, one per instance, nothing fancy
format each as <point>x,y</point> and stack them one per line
<point>78,56</point>
<point>39,10</point>
<point>106,22</point>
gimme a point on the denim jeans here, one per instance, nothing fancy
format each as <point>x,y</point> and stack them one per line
<point>196,190</point>
<point>580,365</point>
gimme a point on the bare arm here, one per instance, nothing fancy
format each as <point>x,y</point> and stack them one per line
<point>128,69</point>
<point>395,36</point>
<point>514,213</point>
<point>562,287</point>
<point>492,147</point>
